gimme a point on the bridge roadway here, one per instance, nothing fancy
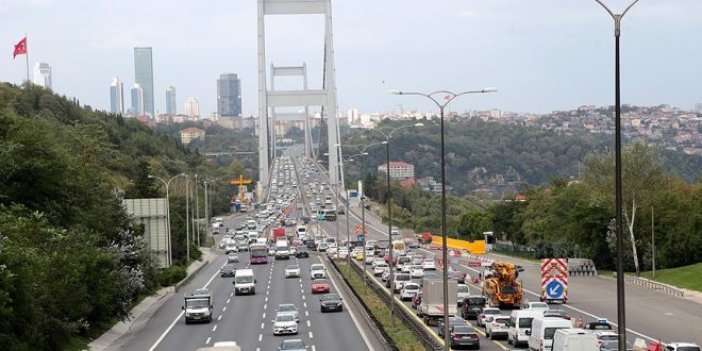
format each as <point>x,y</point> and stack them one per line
<point>246,319</point>
<point>651,315</point>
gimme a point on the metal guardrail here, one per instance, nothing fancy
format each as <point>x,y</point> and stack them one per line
<point>429,342</point>
<point>653,285</point>
<point>190,276</point>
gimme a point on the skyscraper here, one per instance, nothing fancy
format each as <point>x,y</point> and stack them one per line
<point>171,109</point>
<point>42,74</point>
<point>228,95</point>
<point>117,96</point>
<point>137,100</point>
<point>144,75</point>
<point>192,107</point>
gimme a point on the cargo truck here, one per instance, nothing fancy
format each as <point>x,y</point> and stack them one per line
<point>198,306</point>
<point>431,308</point>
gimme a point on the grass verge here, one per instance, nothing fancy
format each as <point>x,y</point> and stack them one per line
<point>687,277</point>
<point>402,336</point>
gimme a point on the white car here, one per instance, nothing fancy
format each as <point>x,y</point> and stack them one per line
<point>487,312</point>
<point>369,259</point>
<point>429,265</point>
<point>386,275</point>
<point>317,271</point>
<point>379,269</point>
<point>409,291</point>
<point>288,308</point>
<point>462,292</point>
<point>284,324</point>
<point>292,271</point>
<point>535,306</point>
<point>496,326</point>
<point>377,261</point>
<point>681,346</point>
<point>416,271</point>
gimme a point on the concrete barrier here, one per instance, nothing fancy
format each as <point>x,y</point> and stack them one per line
<point>653,285</point>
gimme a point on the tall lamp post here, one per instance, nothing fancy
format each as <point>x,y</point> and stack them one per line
<point>448,97</point>
<point>621,312</point>
<point>386,142</point>
<point>348,227</point>
<point>168,212</point>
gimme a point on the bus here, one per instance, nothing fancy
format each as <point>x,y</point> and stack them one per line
<point>326,215</point>
<point>259,253</point>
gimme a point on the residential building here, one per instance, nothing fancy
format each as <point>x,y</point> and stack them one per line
<point>144,75</point>
<point>42,75</point>
<point>398,170</point>
<point>117,96</point>
<point>228,95</point>
<point>137,100</point>
<point>192,107</point>
<point>171,108</point>
<point>189,134</point>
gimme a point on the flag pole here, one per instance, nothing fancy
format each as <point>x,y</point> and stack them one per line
<point>26,56</point>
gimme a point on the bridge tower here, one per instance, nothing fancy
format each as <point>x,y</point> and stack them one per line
<point>270,99</point>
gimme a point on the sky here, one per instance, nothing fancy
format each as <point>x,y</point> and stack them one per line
<point>542,55</point>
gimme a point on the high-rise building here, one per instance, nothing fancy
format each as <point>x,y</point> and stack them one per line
<point>171,108</point>
<point>192,107</point>
<point>144,75</point>
<point>137,100</point>
<point>228,95</point>
<point>42,74</point>
<point>117,96</point>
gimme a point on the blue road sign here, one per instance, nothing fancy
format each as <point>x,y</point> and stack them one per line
<point>554,290</point>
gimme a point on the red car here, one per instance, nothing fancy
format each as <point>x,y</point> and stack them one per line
<point>416,300</point>
<point>320,286</point>
<point>387,259</point>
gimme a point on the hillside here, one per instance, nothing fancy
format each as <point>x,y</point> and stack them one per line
<point>71,261</point>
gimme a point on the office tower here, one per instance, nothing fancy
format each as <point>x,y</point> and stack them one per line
<point>42,75</point>
<point>117,96</point>
<point>171,109</point>
<point>228,95</point>
<point>192,107</point>
<point>137,100</point>
<point>144,75</point>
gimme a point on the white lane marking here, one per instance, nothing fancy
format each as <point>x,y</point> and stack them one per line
<point>232,294</point>
<point>219,318</point>
<point>307,314</point>
<point>214,328</point>
<point>258,349</point>
<point>263,325</point>
<point>314,348</point>
<point>228,300</point>
<point>267,291</point>
<point>265,306</point>
<point>224,308</point>
<point>180,315</point>
<point>302,291</point>
<point>207,342</point>
<point>311,336</point>
<point>304,304</point>
<point>303,297</point>
<point>266,300</point>
<point>260,337</point>
<point>264,315</point>
<point>308,324</point>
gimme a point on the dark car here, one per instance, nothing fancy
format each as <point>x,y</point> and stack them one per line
<point>301,252</point>
<point>293,345</point>
<point>331,302</point>
<point>453,321</point>
<point>341,211</point>
<point>310,244</point>
<point>228,270</point>
<point>472,306</point>
<point>600,324</point>
<point>240,226</point>
<point>463,336</point>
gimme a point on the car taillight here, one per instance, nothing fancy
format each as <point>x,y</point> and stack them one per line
<point>474,336</point>
<point>455,337</point>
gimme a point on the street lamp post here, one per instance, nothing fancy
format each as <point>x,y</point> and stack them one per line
<point>386,142</point>
<point>348,214</point>
<point>449,96</point>
<point>621,312</point>
<point>168,212</point>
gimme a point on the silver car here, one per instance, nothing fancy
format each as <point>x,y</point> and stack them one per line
<point>284,324</point>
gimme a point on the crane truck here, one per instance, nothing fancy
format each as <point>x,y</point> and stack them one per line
<point>501,287</point>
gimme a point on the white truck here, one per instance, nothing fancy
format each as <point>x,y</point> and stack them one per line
<point>431,307</point>
<point>574,339</point>
<point>282,251</point>
<point>198,306</point>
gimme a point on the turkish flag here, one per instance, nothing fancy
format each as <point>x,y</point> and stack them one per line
<point>20,48</point>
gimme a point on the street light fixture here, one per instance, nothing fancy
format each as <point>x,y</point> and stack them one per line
<point>386,142</point>
<point>448,97</point>
<point>168,212</point>
<point>621,312</point>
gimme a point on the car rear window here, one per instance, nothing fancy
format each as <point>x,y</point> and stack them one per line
<point>525,322</point>
<point>476,301</point>
<point>548,333</point>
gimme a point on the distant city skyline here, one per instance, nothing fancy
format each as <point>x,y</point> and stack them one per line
<point>117,96</point>
<point>228,95</point>
<point>144,76</point>
<point>137,94</point>
<point>171,101</point>
<point>543,55</point>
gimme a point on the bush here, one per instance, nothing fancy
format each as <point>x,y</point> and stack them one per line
<point>171,275</point>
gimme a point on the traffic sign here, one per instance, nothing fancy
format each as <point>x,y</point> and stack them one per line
<point>554,290</point>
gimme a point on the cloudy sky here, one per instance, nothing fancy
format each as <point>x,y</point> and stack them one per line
<point>543,55</point>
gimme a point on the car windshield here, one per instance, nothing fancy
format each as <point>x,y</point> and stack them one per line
<point>319,281</point>
<point>611,345</point>
<point>292,345</point>
<point>284,318</point>
<point>287,308</point>
<point>292,267</point>
<point>418,268</point>
<point>411,287</point>
<point>463,289</point>
<point>316,267</point>
<point>491,311</point>
<point>476,301</point>
<point>244,279</point>
<point>330,297</point>
<point>525,322</point>
<point>610,337</point>
<point>198,303</point>
<point>461,329</point>
<point>600,326</point>
<point>502,320</point>
<point>688,348</point>
<point>403,277</point>
<point>228,267</point>
<point>539,305</point>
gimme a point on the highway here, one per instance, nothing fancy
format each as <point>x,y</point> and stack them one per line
<point>246,319</point>
<point>651,315</point>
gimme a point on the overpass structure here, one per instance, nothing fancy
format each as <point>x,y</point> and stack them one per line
<point>270,98</point>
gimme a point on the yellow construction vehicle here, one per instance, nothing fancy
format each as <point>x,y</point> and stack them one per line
<point>501,287</point>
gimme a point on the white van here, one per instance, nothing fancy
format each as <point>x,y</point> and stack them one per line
<point>519,324</point>
<point>574,339</point>
<point>542,331</point>
<point>244,282</point>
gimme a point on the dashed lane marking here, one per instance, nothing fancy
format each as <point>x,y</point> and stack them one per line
<point>219,318</point>
<point>311,336</point>
<point>228,300</point>
<point>308,323</point>
<point>214,328</point>
<point>224,308</point>
<point>207,342</point>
